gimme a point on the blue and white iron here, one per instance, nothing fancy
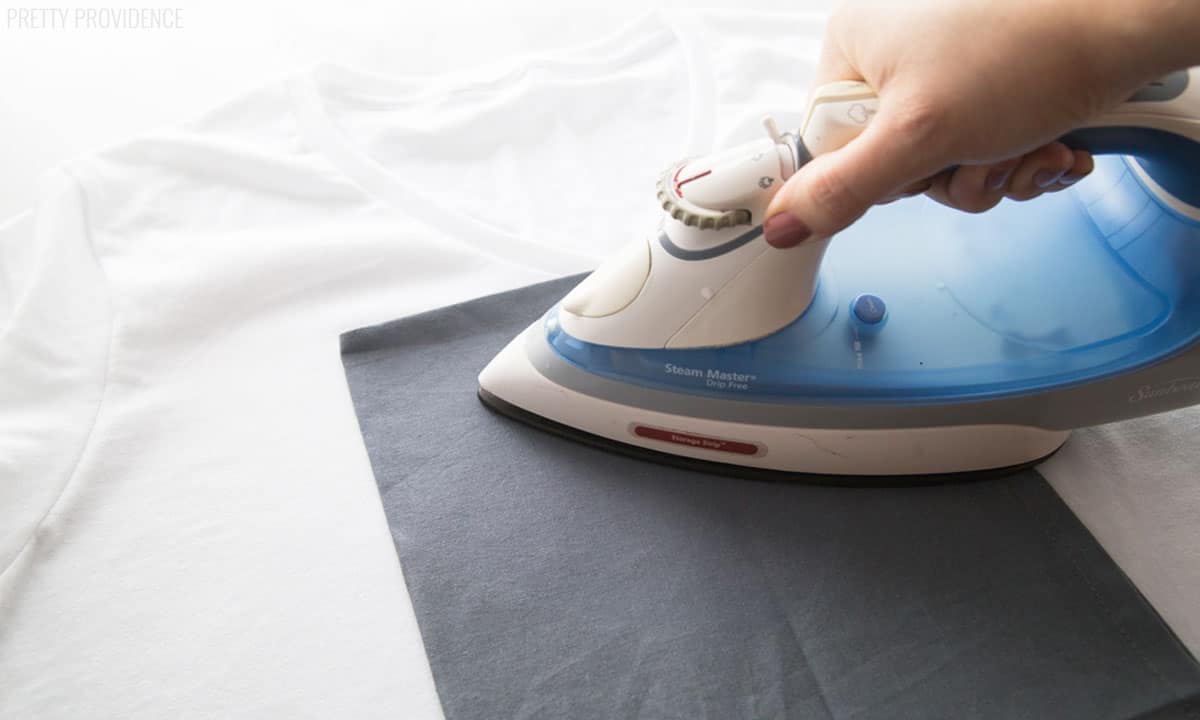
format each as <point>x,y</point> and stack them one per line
<point>922,342</point>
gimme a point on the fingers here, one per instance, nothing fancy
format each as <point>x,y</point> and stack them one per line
<point>1082,167</point>
<point>918,188</point>
<point>835,189</point>
<point>978,188</point>
<point>1041,171</point>
<point>974,188</point>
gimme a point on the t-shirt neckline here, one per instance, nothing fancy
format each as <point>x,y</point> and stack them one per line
<point>54,358</point>
<point>313,90</point>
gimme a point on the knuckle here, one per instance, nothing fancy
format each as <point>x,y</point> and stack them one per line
<point>919,122</point>
<point>834,197</point>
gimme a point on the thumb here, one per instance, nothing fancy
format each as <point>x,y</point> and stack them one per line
<point>833,190</point>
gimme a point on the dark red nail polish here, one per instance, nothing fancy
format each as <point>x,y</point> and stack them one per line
<point>785,230</point>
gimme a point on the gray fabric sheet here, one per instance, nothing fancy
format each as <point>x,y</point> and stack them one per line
<point>552,580</point>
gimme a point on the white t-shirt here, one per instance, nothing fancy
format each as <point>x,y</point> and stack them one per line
<point>188,522</point>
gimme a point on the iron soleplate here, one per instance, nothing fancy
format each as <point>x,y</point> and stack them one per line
<point>513,412</point>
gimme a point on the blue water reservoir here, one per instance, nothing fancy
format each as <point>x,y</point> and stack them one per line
<point>1071,287</point>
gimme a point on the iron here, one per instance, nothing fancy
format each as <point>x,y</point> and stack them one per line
<point>920,345</point>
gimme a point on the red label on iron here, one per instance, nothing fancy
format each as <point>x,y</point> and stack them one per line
<point>697,441</point>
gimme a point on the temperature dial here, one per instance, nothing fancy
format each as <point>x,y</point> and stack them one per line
<point>729,188</point>
<point>670,195</point>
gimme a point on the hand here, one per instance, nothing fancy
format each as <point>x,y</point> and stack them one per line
<point>981,87</point>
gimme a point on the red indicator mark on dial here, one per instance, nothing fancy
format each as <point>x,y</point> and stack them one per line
<point>680,183</point>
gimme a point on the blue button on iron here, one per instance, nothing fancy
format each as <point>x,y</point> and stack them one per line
<point>868,309</point>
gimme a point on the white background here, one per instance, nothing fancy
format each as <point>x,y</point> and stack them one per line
<point>64,92</point>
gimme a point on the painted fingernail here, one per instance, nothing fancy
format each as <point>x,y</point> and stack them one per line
<point>1046,178</point>
<point>785,230</point>
<point>1071,179</point>
<point>998,178</point>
